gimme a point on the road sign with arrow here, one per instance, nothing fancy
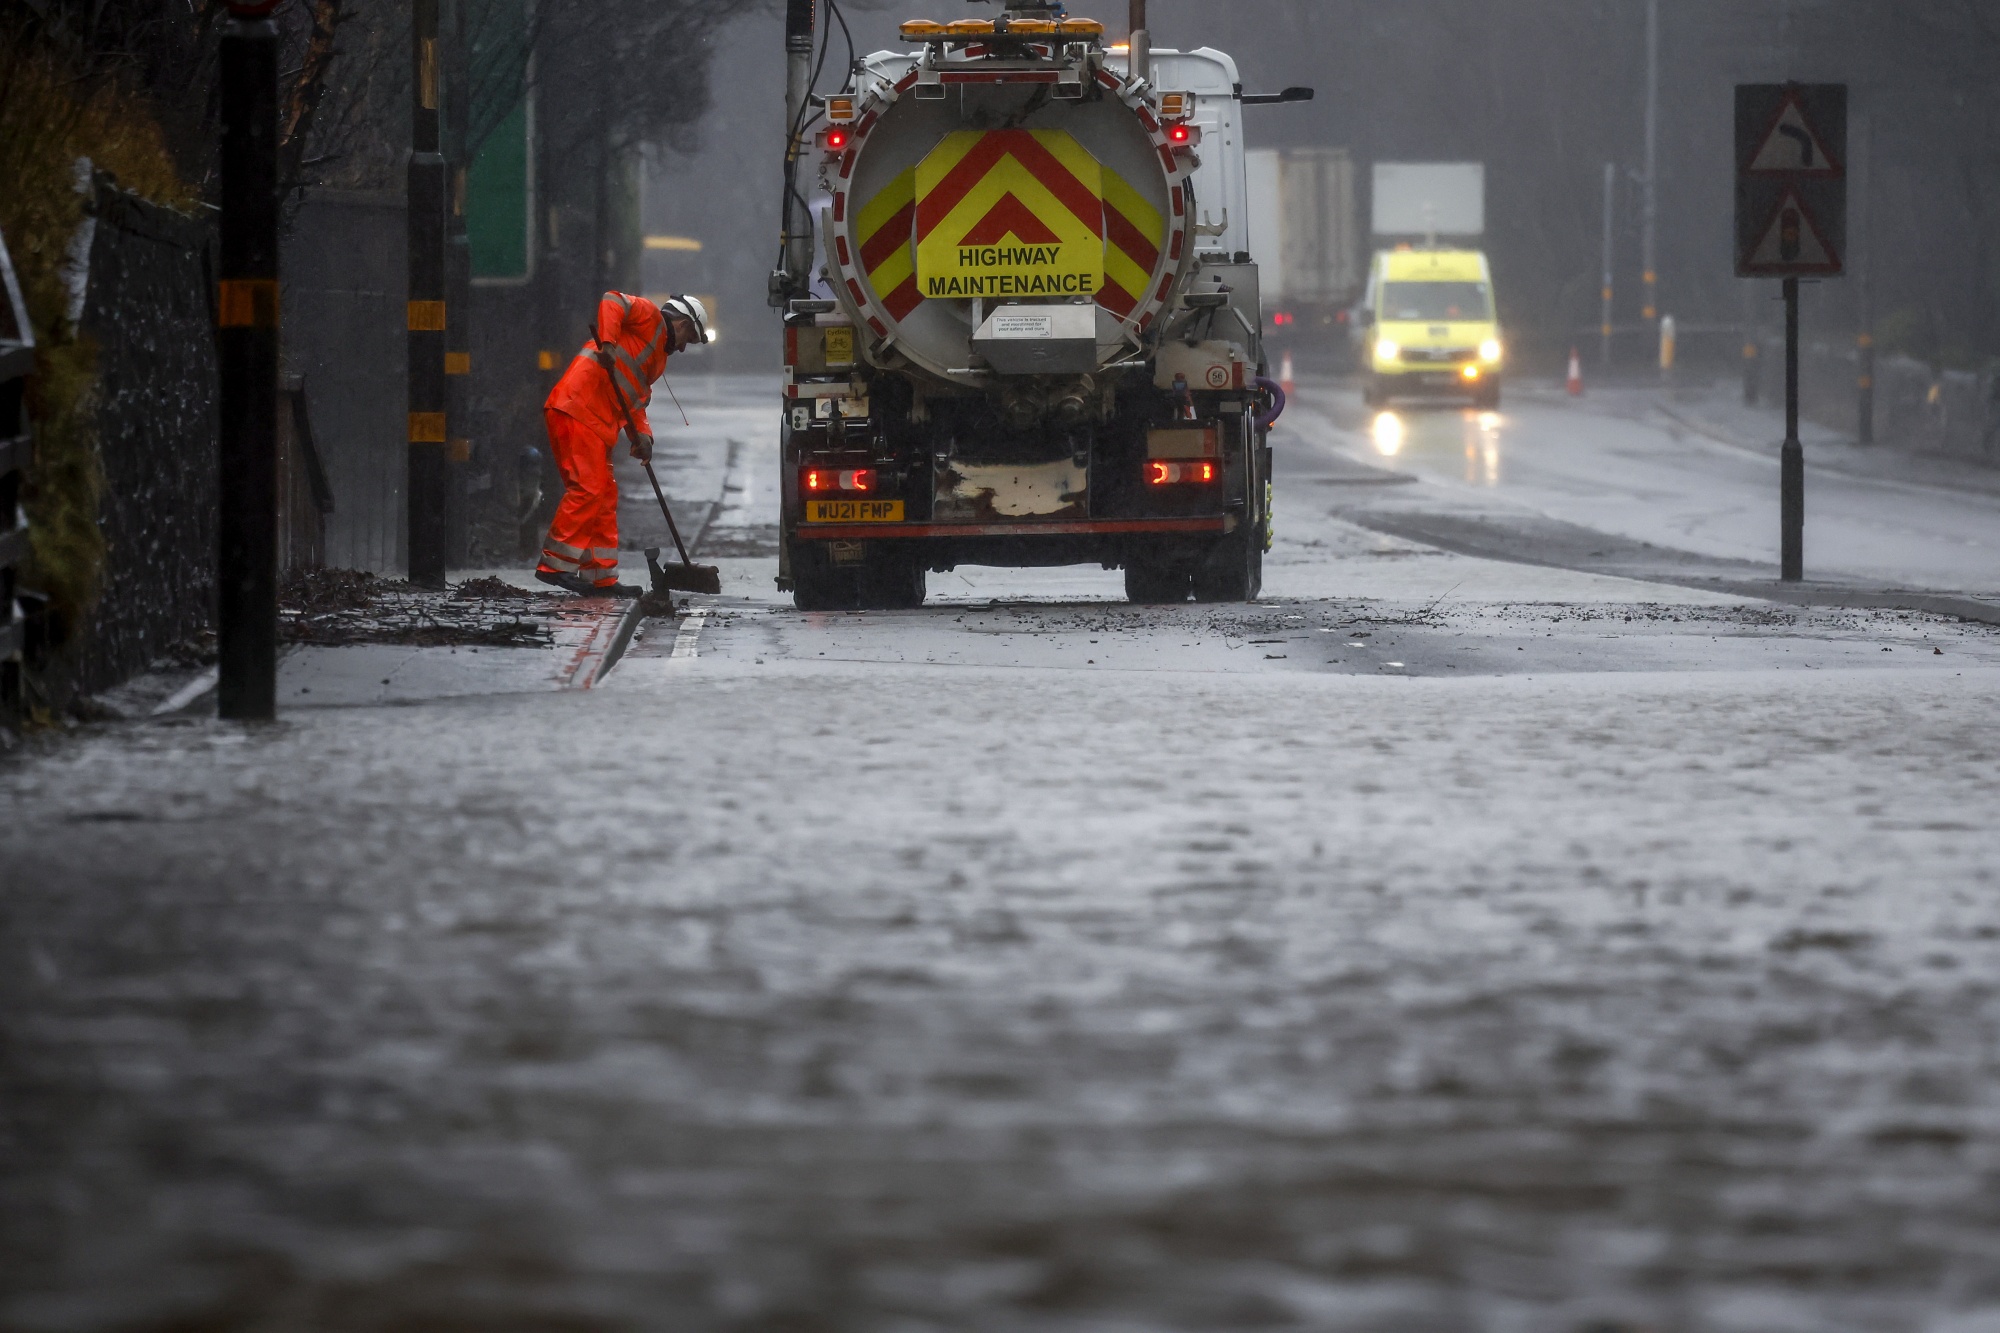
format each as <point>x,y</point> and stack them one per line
<point>1791,179</point>
<point>1791,223</point>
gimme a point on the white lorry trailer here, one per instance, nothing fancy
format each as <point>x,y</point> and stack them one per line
<point>1304,231</point>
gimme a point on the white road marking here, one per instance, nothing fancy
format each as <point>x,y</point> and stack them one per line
<point>684,642</point>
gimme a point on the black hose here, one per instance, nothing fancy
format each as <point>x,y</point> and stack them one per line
<point>802,122</point>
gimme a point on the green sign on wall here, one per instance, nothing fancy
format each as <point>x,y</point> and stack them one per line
<point>499,203</point>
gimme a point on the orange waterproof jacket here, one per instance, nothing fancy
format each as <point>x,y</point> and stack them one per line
<point>634,331</point>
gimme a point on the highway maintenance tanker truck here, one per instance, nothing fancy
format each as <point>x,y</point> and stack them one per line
<point>1021,319</point>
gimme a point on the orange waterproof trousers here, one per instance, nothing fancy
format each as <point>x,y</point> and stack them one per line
<point>583,538</point>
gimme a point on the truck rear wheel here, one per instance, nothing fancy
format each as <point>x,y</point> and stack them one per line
<point>816,584</point>
<point>1233,570</point>
<point>892,581</point>
<point>1148,583</point>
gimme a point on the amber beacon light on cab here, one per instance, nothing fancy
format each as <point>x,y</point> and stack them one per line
<point>1021,317</point>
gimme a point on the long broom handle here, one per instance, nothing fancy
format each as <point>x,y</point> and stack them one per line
<point>647,464</point>
<point>632,425</point>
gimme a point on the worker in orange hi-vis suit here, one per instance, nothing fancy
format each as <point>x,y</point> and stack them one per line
<point>605,390</point>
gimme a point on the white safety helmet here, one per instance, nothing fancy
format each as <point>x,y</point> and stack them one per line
<point>691,309</point>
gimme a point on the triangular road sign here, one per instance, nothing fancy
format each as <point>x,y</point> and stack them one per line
<point>1792,243</point>
<point>1791,147</point>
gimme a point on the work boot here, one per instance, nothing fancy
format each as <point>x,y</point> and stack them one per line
<point>582,587</point>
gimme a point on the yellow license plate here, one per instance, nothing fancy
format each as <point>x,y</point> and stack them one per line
<point>854,511</point>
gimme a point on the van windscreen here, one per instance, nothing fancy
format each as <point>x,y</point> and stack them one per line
<point>1436,300</point>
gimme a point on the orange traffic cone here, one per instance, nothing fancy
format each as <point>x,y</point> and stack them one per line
<point>1575,375</point>
<point>1285,374</point>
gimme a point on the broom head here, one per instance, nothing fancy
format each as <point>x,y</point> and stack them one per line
<point>682,578</point>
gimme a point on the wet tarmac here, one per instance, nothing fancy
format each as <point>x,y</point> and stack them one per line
<point>1443,944</point>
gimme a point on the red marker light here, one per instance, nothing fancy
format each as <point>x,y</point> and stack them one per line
<point>832,479</point>
<point>1178,133</point>
<point>836,139</point>
<point>1167,474</point>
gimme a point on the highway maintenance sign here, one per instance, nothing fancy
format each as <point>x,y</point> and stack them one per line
<point>1009,213</point>
<point>1791,180</point>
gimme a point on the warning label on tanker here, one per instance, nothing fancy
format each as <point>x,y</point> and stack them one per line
<point>1009,213</point>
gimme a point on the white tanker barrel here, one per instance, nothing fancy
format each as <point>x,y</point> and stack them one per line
<point>1004,207</point>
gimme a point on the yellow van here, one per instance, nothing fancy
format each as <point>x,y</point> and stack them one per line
<point>1431,327</point>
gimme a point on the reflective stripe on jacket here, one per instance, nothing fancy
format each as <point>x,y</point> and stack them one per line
<point>635,334</point>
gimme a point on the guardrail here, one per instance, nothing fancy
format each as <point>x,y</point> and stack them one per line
<point>17,358</point>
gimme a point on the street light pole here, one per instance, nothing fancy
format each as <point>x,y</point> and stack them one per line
<point>247,355</point>
<point>428,474</point>
<point>1650,214</point>
<point>1863,251</point>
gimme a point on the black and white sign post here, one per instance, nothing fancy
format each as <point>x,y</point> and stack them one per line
<point>1791,222</point>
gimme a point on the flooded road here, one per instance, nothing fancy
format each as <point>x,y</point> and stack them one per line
<point>1440,944</point>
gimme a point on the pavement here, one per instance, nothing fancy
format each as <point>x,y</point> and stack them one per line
<point>1445,942</point>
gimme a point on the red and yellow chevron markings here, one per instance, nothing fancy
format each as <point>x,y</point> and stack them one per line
<point>977,190</point>
<point>1133,234</point>
<point>1008,213</point>
<point>884,225</point>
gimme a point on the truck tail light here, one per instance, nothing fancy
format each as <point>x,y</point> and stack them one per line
<point>820,480</point>
<point>1170,472</point>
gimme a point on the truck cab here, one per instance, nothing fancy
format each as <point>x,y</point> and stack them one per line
<point>1432,327</point>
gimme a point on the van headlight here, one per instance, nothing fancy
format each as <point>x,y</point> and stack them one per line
<point>1386,350</point>
<point>1489,351</point>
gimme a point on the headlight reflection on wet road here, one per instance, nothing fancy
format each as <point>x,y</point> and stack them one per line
<point>1388,431</point>
<point>1482,448</point>
<point>1421,435</point>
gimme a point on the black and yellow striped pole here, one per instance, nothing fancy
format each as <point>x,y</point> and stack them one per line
<point>458,287</point>
<point>246,308</point>
<point>429,478</point>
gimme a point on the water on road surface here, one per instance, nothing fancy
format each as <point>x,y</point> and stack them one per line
<point>1439,944</point>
